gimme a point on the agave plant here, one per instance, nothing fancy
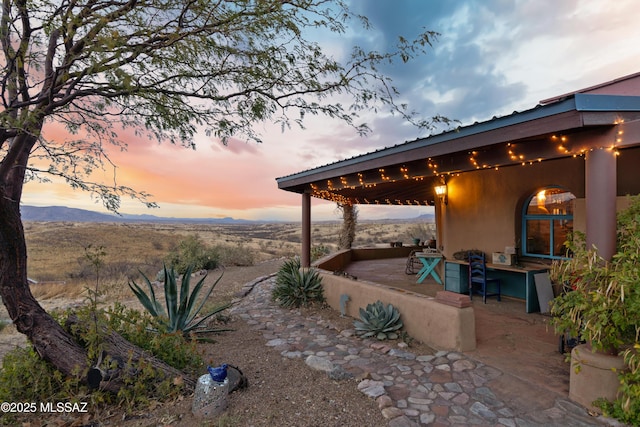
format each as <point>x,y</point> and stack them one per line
<point>378,321</point>
<point>181,309</point>
<point>297,287</point>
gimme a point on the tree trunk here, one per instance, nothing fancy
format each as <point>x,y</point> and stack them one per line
<point>118,349</point>
<point>48,337</point>
<point>349,221</point>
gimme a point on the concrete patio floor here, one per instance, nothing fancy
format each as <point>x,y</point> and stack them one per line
<point>520,344</point>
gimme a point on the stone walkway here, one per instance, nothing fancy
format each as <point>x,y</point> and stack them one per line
<point>441,389</point>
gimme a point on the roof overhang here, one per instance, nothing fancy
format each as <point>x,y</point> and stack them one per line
<point>406,173</point>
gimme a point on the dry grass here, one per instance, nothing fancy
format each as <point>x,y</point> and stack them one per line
<point>57,251</point>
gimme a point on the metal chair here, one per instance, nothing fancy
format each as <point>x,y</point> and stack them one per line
<point>413,263</point>
<point>478,279</point>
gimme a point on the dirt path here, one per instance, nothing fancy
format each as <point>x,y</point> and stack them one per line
<point>281,391</point>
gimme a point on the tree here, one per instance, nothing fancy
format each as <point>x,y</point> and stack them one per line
<point>349,222</point>
<point>167,69</point>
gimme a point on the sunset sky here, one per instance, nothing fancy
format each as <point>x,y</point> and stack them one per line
<point>493,57</point>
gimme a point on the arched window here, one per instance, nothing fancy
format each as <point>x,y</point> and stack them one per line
<point>546,222</point>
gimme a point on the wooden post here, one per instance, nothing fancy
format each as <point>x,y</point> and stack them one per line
<point>305,256</point>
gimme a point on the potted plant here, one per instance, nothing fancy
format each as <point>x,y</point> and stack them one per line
<point>600,307</point>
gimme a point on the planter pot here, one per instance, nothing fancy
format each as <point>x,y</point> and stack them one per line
<point>596,378</point>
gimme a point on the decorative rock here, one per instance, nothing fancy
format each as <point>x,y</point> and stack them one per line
<point>384,401</point>
<point>392,412</point>
<point>481,410</point>
<point>319,363</point>
<point>427,418</point>
<point>338,373</point>
<point>210,397</point>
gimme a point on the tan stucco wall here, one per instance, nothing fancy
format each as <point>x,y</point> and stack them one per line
<point>438,325</point>
<point>485,206</point>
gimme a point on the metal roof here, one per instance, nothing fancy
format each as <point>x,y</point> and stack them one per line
<point>533,130</point>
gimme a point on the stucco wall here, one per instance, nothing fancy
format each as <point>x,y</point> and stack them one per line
<point>438,325</point>
<point>485,207</point>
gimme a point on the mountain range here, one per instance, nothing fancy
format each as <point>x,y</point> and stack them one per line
<point>63,213</point>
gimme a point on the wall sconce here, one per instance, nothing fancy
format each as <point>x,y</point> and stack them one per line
<point>441,193</point>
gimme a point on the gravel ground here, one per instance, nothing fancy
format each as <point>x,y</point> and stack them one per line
<point>282,391</point>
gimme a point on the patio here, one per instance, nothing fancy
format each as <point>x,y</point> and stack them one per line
<point>518,343</point>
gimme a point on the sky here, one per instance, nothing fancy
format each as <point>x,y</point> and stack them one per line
<point>492,57</point>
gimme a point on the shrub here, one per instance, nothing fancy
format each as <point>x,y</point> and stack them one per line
<point>234,255</point>
<point>192,252</point>
<point>318,251</point>
<point>378,321</point>
<point>297,287</point>
<point>181,309</point>
<point>26,377</point>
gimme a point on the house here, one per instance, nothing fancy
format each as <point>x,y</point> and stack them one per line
<point>518,183</point>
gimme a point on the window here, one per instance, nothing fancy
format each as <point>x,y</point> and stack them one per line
<point>547,221</point>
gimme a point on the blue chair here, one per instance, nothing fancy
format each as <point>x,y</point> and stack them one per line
<point>478,279</point>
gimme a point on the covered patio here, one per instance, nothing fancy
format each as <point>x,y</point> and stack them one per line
<point>516,185</point>
<point>585,144</point>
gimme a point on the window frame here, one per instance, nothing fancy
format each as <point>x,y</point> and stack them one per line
<point>551,218</point>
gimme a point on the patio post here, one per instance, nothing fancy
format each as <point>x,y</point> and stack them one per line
<point>600,199</point>
<point>305,256</point>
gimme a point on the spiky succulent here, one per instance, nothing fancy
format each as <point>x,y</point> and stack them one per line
<point>181,309</point>
<point>378,321</point>
<point>297,286</point>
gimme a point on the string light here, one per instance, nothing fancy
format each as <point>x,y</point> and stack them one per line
<point>389,175</point>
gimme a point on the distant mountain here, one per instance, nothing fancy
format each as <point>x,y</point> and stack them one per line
<point>63,213</point>
<point>427,217</point>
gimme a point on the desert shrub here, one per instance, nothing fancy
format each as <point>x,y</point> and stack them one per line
<point>318,251</point>
<point>378,321</point>
<point>235,255</point>
<point>192,252</point>
<point>296,286</point>
<point>25,377</point>
<point>140,328</point>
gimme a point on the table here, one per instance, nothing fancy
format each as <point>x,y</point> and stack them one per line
<point>429,261</point>
<point>517,280</point>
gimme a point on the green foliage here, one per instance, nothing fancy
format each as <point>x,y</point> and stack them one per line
<point>602,304</point>
<point>265,71</point>
<point>378,321</point>
<point>181,306</point>
<point>626,407</point>
<point>318,251</point>
<point>192,253</point>
<point>26,377</point>
<point>296,286</point>
<point>140,329</point>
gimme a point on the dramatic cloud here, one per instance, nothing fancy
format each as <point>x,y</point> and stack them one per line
<point>492,57</point>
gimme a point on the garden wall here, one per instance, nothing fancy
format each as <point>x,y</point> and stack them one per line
<point>426,319</point>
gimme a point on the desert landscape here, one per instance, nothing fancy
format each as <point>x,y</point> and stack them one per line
<point>60,265</point>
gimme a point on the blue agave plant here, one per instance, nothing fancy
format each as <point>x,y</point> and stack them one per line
<point>378,321</point>
<point>180,311</point>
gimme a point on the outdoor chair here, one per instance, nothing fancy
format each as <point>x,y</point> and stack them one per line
<point>478,279</point>
<point>413,263</point>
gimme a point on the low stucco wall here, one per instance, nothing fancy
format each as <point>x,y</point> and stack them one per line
<point>339,260</point>
<point>438,325</point>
